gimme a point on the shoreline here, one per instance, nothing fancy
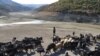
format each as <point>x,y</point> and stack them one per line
<point>26,22</point>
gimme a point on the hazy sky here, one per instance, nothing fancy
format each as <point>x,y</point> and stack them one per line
<point>35,1</point>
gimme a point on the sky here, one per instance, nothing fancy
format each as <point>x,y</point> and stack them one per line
<point>35,1</point>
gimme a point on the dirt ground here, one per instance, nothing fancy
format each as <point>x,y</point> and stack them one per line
<point>45,30</point>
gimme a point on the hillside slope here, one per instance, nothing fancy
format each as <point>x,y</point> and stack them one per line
<point>82,11</point>
<point>10,6</point>
<point>87,6</point>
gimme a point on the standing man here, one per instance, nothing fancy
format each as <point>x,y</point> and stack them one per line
<point>14,40</point>
<point>54,31</point>
<point>73,33</point>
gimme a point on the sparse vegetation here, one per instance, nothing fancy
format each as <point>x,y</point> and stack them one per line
<point>88,6</point>
<point>75,10</point>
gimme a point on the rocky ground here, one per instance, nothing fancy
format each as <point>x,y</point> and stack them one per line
<point>41,28</point>
<point>45,30</point>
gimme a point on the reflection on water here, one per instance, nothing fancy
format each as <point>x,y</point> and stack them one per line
<point>28,22</point>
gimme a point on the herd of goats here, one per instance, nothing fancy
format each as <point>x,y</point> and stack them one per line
<point>73,43</point>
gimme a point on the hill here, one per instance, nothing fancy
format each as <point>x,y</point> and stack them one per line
<point>85,6</point>
<point>73,10</point>
<point>10,6</point>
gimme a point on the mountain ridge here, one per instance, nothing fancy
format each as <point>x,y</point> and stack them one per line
<point>84,6</point>
<point>81,11</point>
<point>11,6</point>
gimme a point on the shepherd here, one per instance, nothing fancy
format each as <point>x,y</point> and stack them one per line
<point>54,31</point>
<point>14,40</point>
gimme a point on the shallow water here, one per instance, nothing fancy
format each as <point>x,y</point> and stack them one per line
<point>26,22</point>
